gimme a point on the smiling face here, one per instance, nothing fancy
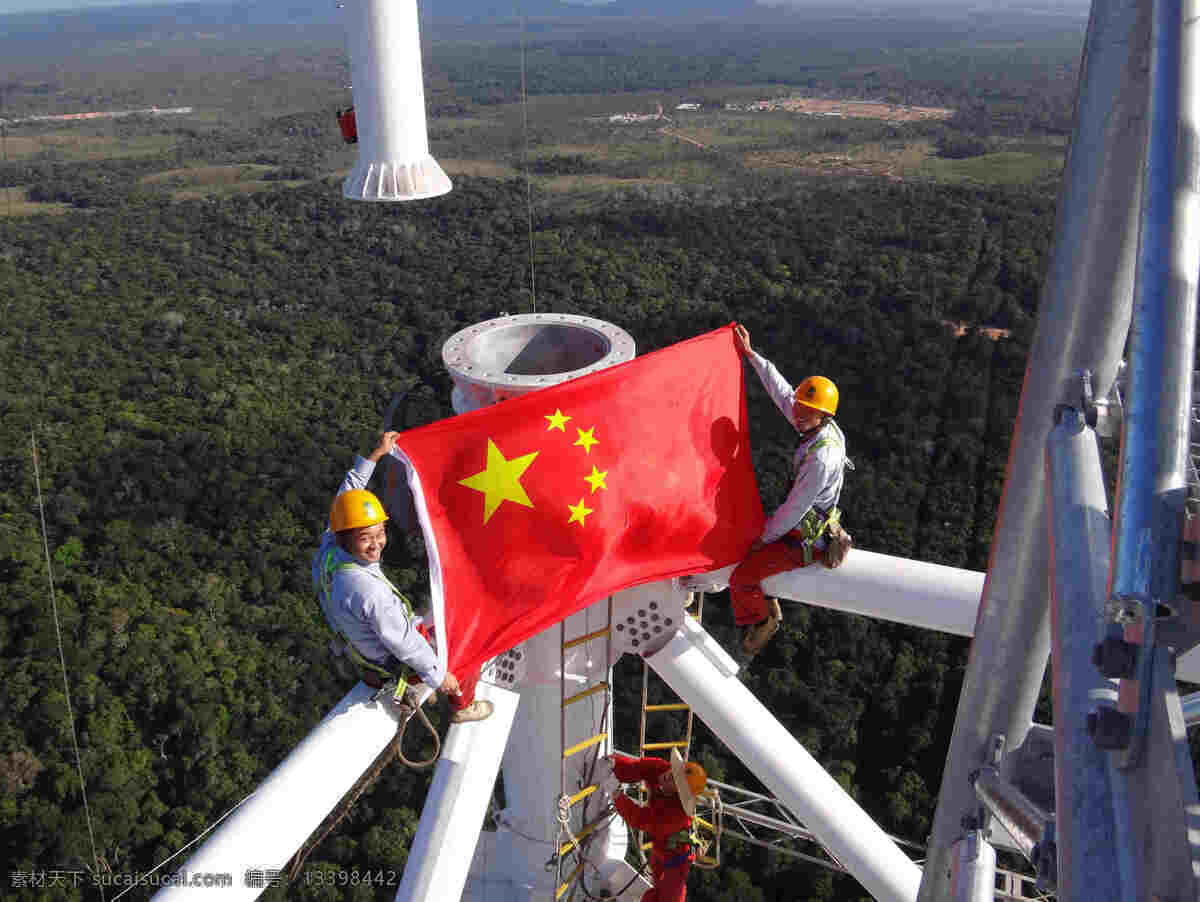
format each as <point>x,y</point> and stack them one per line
<point>805,417</point>
<point>365,543</point>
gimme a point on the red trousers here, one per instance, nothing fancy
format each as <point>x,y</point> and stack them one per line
<point>670,877</point>
<point>745,583</point>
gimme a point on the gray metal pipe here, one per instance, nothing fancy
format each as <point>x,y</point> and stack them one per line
<point>974,876</point>
<point>1082,324</point>
<point>1089,844</point>
<point>1154,455</point>
<point>1025,822</point>
<point>1191,709</point>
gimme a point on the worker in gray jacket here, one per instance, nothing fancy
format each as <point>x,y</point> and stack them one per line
<point>793,536</point>
<point>373,618</point>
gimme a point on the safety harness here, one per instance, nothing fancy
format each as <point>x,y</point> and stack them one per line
<point>377,676</point>
<point>373,674</point>
<point>817,520</point>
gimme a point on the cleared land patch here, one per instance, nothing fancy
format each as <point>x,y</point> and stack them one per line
<point>487,169</point>
<point>851,109</point>
<point>15,202</point>
<point>896,160</point>
<point>1003,168</point>
<point>208,181</point>
<point>208,175</point>
<point>77,147</point>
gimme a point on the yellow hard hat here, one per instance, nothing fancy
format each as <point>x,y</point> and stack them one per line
<point>818,393</point>
<point>354,509</point>
<point>697,778</point>
<point>690,780</point>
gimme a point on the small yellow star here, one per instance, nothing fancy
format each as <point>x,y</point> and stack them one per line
<point>578,512</point>
<point>500,481</point>
<point>596,479</point>
<point>586,439</point>
<point>557,420</point>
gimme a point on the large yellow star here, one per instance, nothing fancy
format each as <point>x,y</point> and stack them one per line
<point>596,479</point>
<point>501,481</point>
<point>586,439</point>
<point>558,420</point>
<point>578,512</point>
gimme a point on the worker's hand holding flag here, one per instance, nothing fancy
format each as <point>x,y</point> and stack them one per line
<point>540,505</point>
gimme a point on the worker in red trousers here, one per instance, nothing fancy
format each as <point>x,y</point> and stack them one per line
<point>666,817</point>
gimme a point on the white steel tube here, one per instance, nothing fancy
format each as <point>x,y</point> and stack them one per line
<point>890,588</point>
<point>973,878</point>
<point>384,41</point>
<point>931,596</point>
<point>1091,820</point>
<point>457,801</point>
<point>754,735</point>
<point>528,827</point>
<point>291,803</point>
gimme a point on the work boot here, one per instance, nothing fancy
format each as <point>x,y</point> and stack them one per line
<point>758,635</point>
<point>480,709</point>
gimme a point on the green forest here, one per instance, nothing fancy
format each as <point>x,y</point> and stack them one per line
<point>199,332</point>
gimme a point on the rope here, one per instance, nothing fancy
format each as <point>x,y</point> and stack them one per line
<point>525,166</point>
<point>399,740</point>
<point>207,830</point>
<point>62,658</point>
<point>393,750</point>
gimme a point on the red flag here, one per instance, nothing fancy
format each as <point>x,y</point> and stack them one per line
<point>536,507</point>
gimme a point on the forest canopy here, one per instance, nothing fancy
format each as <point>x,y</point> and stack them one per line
<point>200,332</point>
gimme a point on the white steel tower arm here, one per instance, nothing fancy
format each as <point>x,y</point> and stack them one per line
<point>931,596</point>
<point>291,803</point>
<point>442,850</point>
<point>704,677</point>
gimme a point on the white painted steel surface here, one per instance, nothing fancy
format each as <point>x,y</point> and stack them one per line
<point>890,588</point>
<point>291,803</point>
<point>389,104</point>
<point>503,358</point>
<point>974,876</point>
<point>1091,819</point>
<point>528,828</point>
<point>441,851</point>
<point>752,733</point>
<point>930,596</point>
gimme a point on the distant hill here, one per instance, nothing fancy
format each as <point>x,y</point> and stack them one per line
<point>300,12</point>
<point>121,21</point>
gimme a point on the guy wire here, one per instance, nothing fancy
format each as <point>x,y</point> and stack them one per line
<point>62,659</point>
<point>4,144</point>
<point>525,166</point>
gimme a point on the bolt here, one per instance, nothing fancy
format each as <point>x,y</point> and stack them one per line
<point>1115,658</point>
<point>1109,728</point>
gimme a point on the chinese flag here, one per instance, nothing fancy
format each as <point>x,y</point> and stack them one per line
<point>536,507</point>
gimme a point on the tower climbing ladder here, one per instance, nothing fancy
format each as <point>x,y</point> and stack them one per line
<point>684,746</point>
<point>574,842</point>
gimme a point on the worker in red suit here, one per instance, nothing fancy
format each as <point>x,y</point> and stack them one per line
<point>666,817</point>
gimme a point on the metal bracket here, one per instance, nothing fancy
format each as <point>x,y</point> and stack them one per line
<point>1130,756</point>
<point>1103,415</point>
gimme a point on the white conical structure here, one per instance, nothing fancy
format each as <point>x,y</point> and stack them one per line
<point>389,104</point>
